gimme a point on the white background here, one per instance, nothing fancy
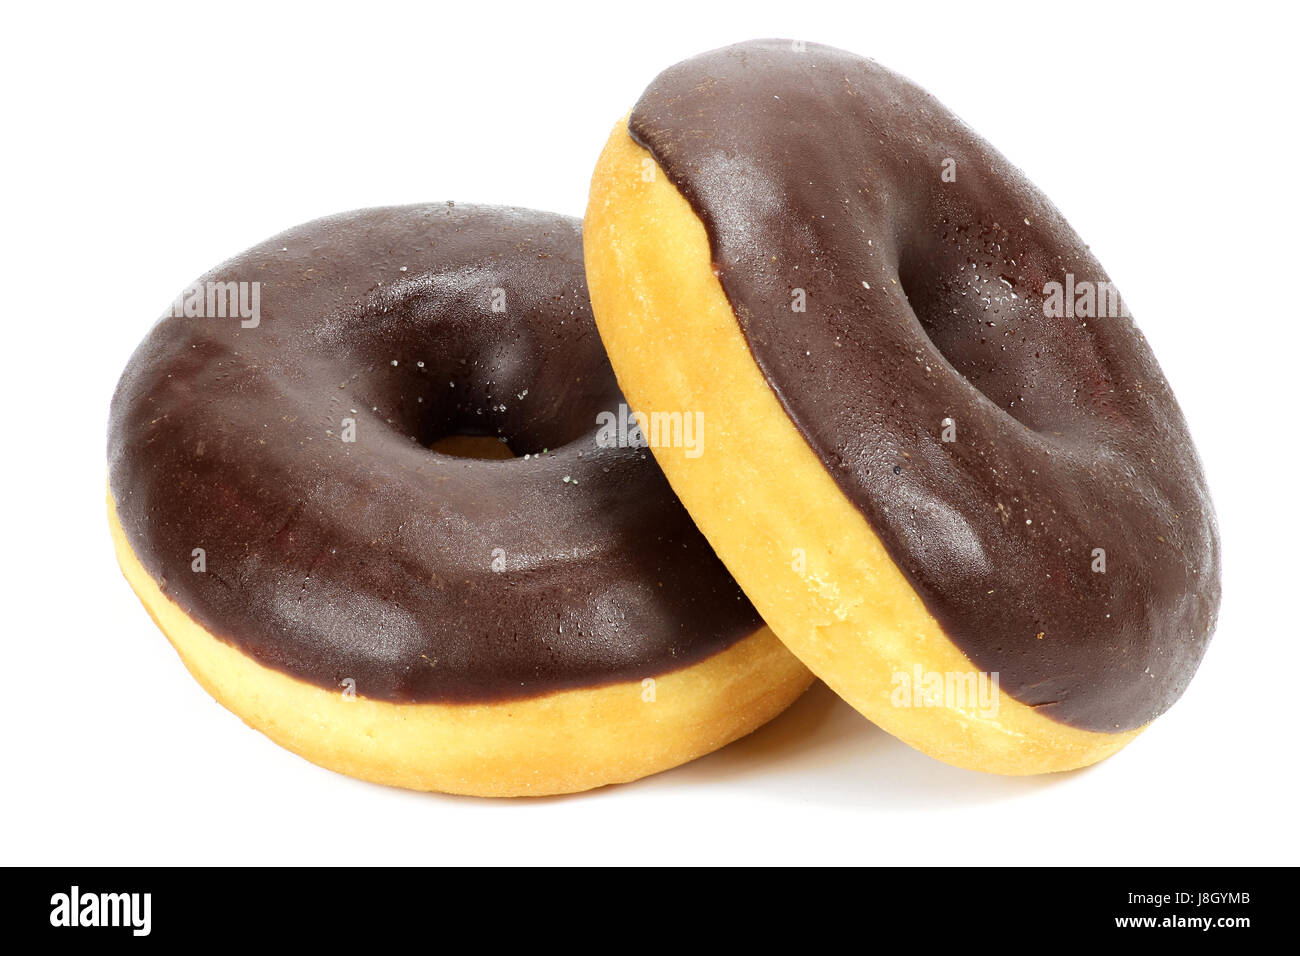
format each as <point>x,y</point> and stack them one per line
<point>143,146</point>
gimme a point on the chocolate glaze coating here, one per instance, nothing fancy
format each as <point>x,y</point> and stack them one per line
<point>373,560</point>
<point>818,170</point>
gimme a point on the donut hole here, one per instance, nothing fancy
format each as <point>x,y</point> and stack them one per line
<point>495,413</point>
<point>978,315</point>
<point>432,358</point>
<point>939,307</point>
<point>478,447</point>
<point>471,388</point>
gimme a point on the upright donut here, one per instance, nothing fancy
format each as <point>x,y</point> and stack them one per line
<point>541,624</point>
<point>942,460</point>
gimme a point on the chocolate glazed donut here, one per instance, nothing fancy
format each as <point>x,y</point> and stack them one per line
<point>544,623</point>
<point>956,361</point>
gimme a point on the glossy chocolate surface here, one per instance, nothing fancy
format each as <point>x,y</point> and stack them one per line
<point>420,576</point>
<point>819,174</point>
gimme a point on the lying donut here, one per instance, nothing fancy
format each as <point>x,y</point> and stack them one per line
<point>961,494</point>
<point>543,624</point>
